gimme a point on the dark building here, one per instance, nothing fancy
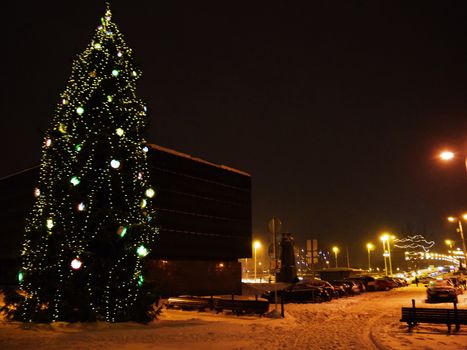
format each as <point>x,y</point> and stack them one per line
<point>204,219</point>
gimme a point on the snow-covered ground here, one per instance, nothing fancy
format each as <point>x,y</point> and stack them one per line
<point>368,321</point>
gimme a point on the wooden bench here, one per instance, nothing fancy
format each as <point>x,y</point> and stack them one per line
<point>413,316</point>
<point>189,303</point>
<point>242,306</point>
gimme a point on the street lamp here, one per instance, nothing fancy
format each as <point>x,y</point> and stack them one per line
<point>256,245</point>
<point>335,250</point>
<point>447,156</point>
<point>370,247</point>
<point>385,238</point>
<point>461,231</point>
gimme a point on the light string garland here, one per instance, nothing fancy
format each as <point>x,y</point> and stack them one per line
<point>414,242</point>
<point>88,230</point>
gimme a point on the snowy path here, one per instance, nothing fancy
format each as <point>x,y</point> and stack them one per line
<point>369,321</point>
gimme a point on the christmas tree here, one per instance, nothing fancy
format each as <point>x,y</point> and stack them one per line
<point>92,222</point>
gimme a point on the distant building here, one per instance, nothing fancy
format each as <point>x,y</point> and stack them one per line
<point>204,219</point>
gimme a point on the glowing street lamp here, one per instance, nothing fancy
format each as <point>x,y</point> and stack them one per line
<point>335,250</point>
<point>461,231</point>
<point>448,155</point>
<point>385,238</point>
<point>256,246</point>
<point>370,247</point>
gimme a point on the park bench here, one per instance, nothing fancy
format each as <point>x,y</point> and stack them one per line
<point>413,316</point>
<point>242,306</point>
<point>189,303</point>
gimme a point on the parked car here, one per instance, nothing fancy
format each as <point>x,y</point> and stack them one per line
<point>442,291</point>
<point>401,282</point>
<point>368,281</point>
<point>299,293</point>
<point>358,282</point>
<point>349,287</point>
<point>333,293</point>
<point>384,284</point>
<point>340,288</point>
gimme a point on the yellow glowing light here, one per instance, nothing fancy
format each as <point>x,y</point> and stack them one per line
<point>335,249</point>
<point>257,244</point>
<point>446,155</point>
<point>150,193</point>
<point>120,132</point>
<point>464,216</point>
<point>97,46</point>
<point>144,203</point>
<point>451,219</point>
<point>384,237</point>
<point>370,246</point>
<point>62,128</point>
<point>49,223</point>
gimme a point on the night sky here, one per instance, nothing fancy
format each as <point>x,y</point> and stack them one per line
<point>336,109</point>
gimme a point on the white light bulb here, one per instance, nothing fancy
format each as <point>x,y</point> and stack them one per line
<point>145,149</point>
<point>115,72</point>
<point>120,132</point>
<point>150,193</point>
<point>50,223</point>
<point>37,192</point>
<point>97,46</point>
<point>81,206</point>
<point>76,264</point>
<point>115,164</point>
<point>80,110</point>
<point>48,142</point>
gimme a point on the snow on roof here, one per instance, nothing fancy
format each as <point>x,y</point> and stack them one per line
<point>180,154</point>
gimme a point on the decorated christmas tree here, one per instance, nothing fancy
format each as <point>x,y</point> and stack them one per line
<point>92,222</point>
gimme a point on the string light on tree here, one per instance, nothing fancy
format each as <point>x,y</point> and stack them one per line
<point>150,193</point>
<point>115,163</point>
<point>81,206</point>
<point>142,251</point>
<point>76,264</point>
<point>121,231</point>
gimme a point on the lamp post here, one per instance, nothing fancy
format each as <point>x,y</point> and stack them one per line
<point>386,238</point>
<point>461,231</point>
<point>370,247</point>
<point>256,245</point>
<point>335,250</point>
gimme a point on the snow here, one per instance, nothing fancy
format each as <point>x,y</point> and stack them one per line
<point>368,321</point>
